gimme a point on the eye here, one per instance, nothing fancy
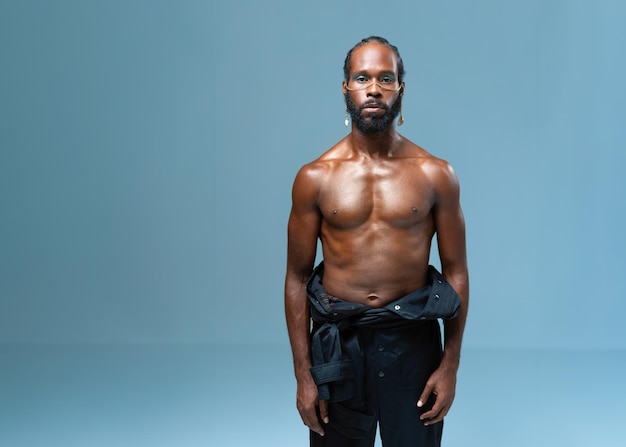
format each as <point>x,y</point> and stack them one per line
<point>361,78</point>
<point>387,80</point>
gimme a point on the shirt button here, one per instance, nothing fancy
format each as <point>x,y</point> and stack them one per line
<point>381,349</point>
<point>397,307</point>
<point>381,374</point>
<point>436,297</point>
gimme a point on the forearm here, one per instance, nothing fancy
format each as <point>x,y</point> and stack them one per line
<point>298,327</point>
<point>454,328</point>
<point>312,411</point>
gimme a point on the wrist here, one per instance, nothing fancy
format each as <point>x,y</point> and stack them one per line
<point>450,361</point>
<point>303,372</point>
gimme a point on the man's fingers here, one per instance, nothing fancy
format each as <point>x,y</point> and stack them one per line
<point>430,416</point>
<point>311,420</point>
<point>436,413</point>
<point>314,425</point>
<point>438,417</point>
<point>324,411</point>
<point>428,389</point>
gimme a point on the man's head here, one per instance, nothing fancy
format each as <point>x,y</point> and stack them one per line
<point>382,41</point>
<point>373,84</point>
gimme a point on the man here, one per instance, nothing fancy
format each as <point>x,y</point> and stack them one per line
<point>375,200</point>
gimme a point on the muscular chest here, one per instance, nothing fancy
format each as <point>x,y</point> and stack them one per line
<point>396,194</point>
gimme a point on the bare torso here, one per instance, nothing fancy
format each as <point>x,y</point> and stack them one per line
<point>376,222</point>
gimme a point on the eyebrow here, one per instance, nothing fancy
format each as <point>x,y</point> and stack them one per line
<point>382,73</point>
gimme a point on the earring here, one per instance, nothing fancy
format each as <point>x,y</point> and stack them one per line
<point>401,119</point>
<point>346,121</point>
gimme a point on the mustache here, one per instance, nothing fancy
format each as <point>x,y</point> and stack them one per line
<point>373,102</point>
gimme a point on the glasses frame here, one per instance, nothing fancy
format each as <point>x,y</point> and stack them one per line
<point>374,82</point>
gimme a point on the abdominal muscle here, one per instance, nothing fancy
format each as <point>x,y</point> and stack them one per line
<point>376,271</point>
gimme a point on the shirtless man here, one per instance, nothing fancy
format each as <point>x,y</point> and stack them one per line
<point>375,200</point>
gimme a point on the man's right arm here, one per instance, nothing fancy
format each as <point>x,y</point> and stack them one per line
<point>303,232</point>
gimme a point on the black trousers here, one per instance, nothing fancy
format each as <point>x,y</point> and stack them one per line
<point>398,364</point>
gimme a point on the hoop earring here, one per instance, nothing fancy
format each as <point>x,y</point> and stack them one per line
<point>346,121</point>
<point>401,119</point>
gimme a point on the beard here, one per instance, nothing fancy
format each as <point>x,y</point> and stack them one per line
<point>372,124</point>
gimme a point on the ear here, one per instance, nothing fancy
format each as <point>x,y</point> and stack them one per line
<point>343,87</point>
<point>402,88</point>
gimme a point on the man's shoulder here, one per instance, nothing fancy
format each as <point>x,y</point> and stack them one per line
<point>326,160</point>
<point>436,169</point>
<point>423,157</point>
<point>337,153</point>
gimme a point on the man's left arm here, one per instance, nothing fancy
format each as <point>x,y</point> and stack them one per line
<point>450,230</point>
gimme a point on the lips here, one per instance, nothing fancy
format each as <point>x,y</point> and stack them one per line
<point>373,106</point>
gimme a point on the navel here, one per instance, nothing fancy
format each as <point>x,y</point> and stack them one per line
<point>372,297</point>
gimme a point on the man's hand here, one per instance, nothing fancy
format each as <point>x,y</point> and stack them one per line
<point>442,384</point>
<point>307,402</point>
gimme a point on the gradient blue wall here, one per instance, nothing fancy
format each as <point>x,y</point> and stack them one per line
<point>147,151</point>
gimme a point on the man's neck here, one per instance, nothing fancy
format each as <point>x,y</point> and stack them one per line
<point>378,145</point>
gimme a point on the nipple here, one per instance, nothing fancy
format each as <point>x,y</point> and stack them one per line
<point>335,211</point>
<point>414,209</point>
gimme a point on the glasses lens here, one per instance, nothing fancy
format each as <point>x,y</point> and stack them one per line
<point>387,84</point>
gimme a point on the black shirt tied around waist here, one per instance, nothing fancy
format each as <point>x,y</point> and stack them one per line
<point>338,361</point>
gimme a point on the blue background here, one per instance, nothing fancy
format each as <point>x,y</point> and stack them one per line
<point>147,151</point>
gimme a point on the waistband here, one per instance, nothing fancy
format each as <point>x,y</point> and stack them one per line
<point>437,299</point>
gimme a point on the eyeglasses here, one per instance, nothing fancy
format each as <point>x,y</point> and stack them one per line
<point>386,82</point>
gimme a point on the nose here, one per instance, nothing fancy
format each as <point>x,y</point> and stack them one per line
<point>374,90</point>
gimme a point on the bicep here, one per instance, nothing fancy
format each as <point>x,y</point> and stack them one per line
<point>302,234</point>
<point>450,223</point>
<point>303,228</point>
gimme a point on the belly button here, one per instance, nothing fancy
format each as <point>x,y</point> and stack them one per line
<point>372,297</point>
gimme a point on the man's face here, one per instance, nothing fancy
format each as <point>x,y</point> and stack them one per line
<point>373,93</point>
